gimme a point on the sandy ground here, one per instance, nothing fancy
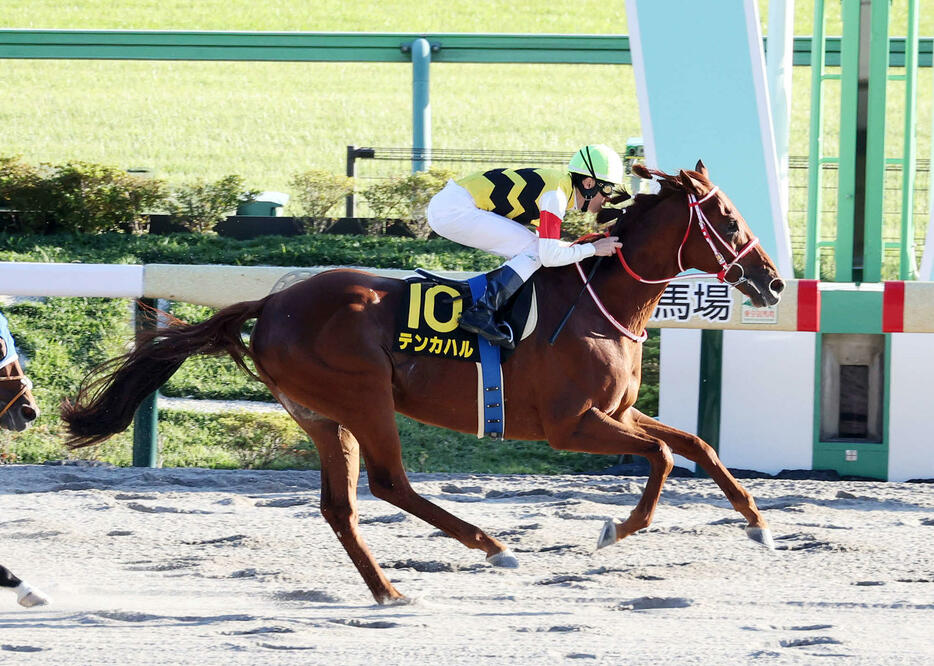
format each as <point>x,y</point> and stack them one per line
<point>187,566</point>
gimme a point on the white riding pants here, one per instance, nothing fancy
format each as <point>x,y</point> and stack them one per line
<point>453,214</point>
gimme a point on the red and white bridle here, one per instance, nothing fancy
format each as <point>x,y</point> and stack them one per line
<point>709,234</point>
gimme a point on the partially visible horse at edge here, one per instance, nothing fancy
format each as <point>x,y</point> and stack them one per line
<point>324,347</point>
<point>18,410</point>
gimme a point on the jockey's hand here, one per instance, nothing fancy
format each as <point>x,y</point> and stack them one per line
<point>606,246</point>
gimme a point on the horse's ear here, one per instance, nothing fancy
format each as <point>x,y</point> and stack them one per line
<point>619,196</point>
<point>641,170</point>
<point>691,184</point>
<point>701,169</point>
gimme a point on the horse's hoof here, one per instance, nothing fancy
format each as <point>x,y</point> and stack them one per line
<point>30,596</point>
<point>397,601</point>
<point>504,559</point>
<point>761,535</point>
<point>608,534</point>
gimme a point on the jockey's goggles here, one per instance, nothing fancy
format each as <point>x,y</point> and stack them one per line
<point>605,188</point>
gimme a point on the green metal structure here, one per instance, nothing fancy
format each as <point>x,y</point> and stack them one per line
<point>858,241</point>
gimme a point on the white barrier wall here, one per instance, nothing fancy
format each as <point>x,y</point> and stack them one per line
<point>767,400</point>
<point>911,419</point>
<point>679,382</point>
<point>104,280</point>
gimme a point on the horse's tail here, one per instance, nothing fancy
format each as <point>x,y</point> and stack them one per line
<point>106,402</point>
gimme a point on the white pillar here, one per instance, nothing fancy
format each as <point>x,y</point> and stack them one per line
<point>927,259</point>
<point>778,64</point>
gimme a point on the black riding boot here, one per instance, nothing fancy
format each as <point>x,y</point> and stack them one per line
<point>480,318</point>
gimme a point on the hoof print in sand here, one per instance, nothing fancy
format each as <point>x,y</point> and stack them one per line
<point>315,596</point>
<point>136,506</point>
<point>21,648</point>
<point>652,603</point>
<point>811,640</point>
<point>376,624</point>
<point>285,502</point>
<point>425,566</point>
<point>391,518</point>
<point>259,630</point>
<point>565,580</point>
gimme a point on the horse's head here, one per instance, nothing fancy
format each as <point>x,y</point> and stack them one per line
<point>713,236</point>
<point>18,408</point>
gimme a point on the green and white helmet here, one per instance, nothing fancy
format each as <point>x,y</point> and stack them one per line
<point>598,161</point>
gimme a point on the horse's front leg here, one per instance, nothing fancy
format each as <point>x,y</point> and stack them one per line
<point>697,450</point>
<point>597,432</point>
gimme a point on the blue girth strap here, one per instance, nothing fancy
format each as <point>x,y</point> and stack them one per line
<point>491,374</point>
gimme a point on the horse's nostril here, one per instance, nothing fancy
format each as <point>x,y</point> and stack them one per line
<point>777,286</point>
<point>29,414</point>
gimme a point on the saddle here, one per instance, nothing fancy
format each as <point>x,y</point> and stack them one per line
<point>431,306</point>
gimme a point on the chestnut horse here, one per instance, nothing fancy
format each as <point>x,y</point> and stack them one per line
<point>18,410</point>
<point>324,347</point>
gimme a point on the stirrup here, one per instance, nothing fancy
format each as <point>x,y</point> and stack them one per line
<point>500,338</point>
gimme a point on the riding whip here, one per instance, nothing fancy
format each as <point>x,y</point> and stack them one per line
<point>567,315</point>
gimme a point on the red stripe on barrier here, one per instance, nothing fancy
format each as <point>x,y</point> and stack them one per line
<point>808,306</point>
<point>893,307</point>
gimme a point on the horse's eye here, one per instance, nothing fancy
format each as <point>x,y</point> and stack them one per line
<point>732,226</point>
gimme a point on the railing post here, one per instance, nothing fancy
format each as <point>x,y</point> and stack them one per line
<point>421,105</point>
<point>351,172</point>
<point>873,241</point>
<point>145,422</point>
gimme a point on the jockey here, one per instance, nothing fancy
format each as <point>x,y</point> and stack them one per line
<point>489,211</point>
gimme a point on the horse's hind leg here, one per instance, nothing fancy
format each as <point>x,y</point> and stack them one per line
<point>382,452</point>
<point>26,595</point>
<point>697,450</point>
<point>340,469</point>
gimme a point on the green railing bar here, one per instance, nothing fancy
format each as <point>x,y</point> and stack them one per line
<point>365,47</point>
<point>310,46</point>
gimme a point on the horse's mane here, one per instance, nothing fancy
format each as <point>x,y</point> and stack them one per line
<point>668,185</point>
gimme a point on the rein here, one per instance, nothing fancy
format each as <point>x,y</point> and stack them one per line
<point>706,229</point>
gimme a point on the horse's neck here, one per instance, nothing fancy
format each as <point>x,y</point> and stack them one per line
<point>631,302</point>
<point>651,245</point>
